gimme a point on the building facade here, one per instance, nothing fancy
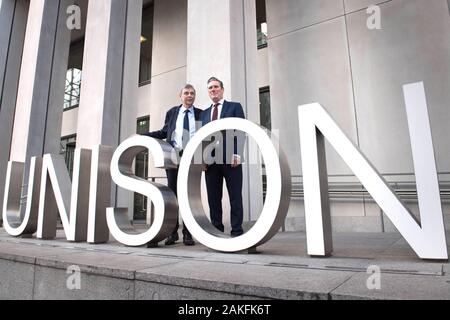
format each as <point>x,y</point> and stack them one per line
<point>83,73</point>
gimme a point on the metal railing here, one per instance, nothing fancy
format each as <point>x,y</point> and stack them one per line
<point>351,191</point>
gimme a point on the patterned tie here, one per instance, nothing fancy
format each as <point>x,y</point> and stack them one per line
<point>215,112</point>
<point>186,129</point>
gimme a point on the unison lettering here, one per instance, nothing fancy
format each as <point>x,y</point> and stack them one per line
<point>86,210</point>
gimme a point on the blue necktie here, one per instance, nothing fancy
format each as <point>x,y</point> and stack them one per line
<point>186,129</point>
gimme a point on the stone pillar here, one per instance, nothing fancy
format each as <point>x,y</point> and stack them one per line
<point>38,112</point>
<point>6,22</point>
<point>130,87</point>
<point>101,88</point>
<point>41,88</point>
<point>57,86</point>
<point>222,43</point>
<point>8,37</point>
<point>168,66</point>
<point>101,96</point>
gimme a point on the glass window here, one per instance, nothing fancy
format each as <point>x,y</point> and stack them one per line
<point>261,23</point>
<point>68,145</point>
<point>141,170</point>
<point>73,88</point>
<point>145,65</point>
<point>264,107</point>
<point>265,117</point>
<point>74,75</point>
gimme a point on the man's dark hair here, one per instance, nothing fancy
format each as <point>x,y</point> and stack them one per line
<point>215,79</point>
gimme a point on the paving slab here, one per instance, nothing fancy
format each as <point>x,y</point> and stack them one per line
<point>107,264</point>
<point>16,280</point>
<point>52,284</point>
<point>156,291</point>
<point>410,267</point>
<point>282,269</point>
<point>395,287</point>
<point>447,269</point>
<point>260,281</point>
<point>27,253</point>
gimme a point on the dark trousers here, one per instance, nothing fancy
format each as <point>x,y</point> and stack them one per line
<point>214,183</point>
<point>172,179</point>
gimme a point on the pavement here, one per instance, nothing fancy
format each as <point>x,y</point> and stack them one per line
<point>363,266</point>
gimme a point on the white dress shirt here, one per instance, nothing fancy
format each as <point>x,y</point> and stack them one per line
<point>178,135</point>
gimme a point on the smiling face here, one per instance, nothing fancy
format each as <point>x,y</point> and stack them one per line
<point>188,97</point>
<point>215,91</point>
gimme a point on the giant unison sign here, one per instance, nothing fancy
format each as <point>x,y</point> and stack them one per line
<point>83,204</point>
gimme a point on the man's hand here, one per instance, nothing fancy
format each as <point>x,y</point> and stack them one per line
<point>235,161</point>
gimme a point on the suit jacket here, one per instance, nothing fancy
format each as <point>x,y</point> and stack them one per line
<point>229,110</point>
<point>167,132</point>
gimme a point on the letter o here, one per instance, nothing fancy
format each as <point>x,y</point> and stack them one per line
<point>277,197</point>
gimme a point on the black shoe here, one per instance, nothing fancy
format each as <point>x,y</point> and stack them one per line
<point>236,234</point>
<point>187,240</point>
<point>172,239</point>
<point>152,245</point>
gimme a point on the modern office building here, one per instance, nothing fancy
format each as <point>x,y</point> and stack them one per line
<point>81,73</point>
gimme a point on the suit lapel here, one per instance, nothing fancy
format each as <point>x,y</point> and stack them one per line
<point>208,115</point>
<point>173,120</point>
<point>198,120</point>
<point>224,108</point>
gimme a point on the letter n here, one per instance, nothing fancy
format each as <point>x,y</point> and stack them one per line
<point>58,195</point>
<point>427,237</point>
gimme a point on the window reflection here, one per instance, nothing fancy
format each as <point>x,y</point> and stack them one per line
<point>261,23</point>
<point>141,170</point>
<point>145,64</point>
<point>67,150</point>
<point>73,88</point>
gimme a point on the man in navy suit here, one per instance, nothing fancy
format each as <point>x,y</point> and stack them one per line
<point>228,168</point>
<point>180,125</point>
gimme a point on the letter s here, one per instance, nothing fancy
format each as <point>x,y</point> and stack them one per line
<point>164,200</point>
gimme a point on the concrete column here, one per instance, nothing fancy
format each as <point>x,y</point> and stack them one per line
<point>168,62</point>
<point>168,59</point>
<point>57,86</point>
<point>6,22</point>
<point>222,43</point>
<point>13,17</point>
<point>130,87</point>
<point>41,82</point>
<point>101,89</point>
<point>40,78</point>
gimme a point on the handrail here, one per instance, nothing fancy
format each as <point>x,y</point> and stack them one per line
<point>351,191</point>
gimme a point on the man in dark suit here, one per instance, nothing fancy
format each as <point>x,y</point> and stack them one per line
<point>180,125</point>
<point>230,168</point>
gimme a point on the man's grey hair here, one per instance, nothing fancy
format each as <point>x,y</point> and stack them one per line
<point>187,87</point>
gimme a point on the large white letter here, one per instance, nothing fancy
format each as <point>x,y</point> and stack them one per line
<point>427,239</point>
<point>12,198</point>
<point>99,194</point>
<point>164,200</point>
<point>277,198</point>
<point>56,196</point>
